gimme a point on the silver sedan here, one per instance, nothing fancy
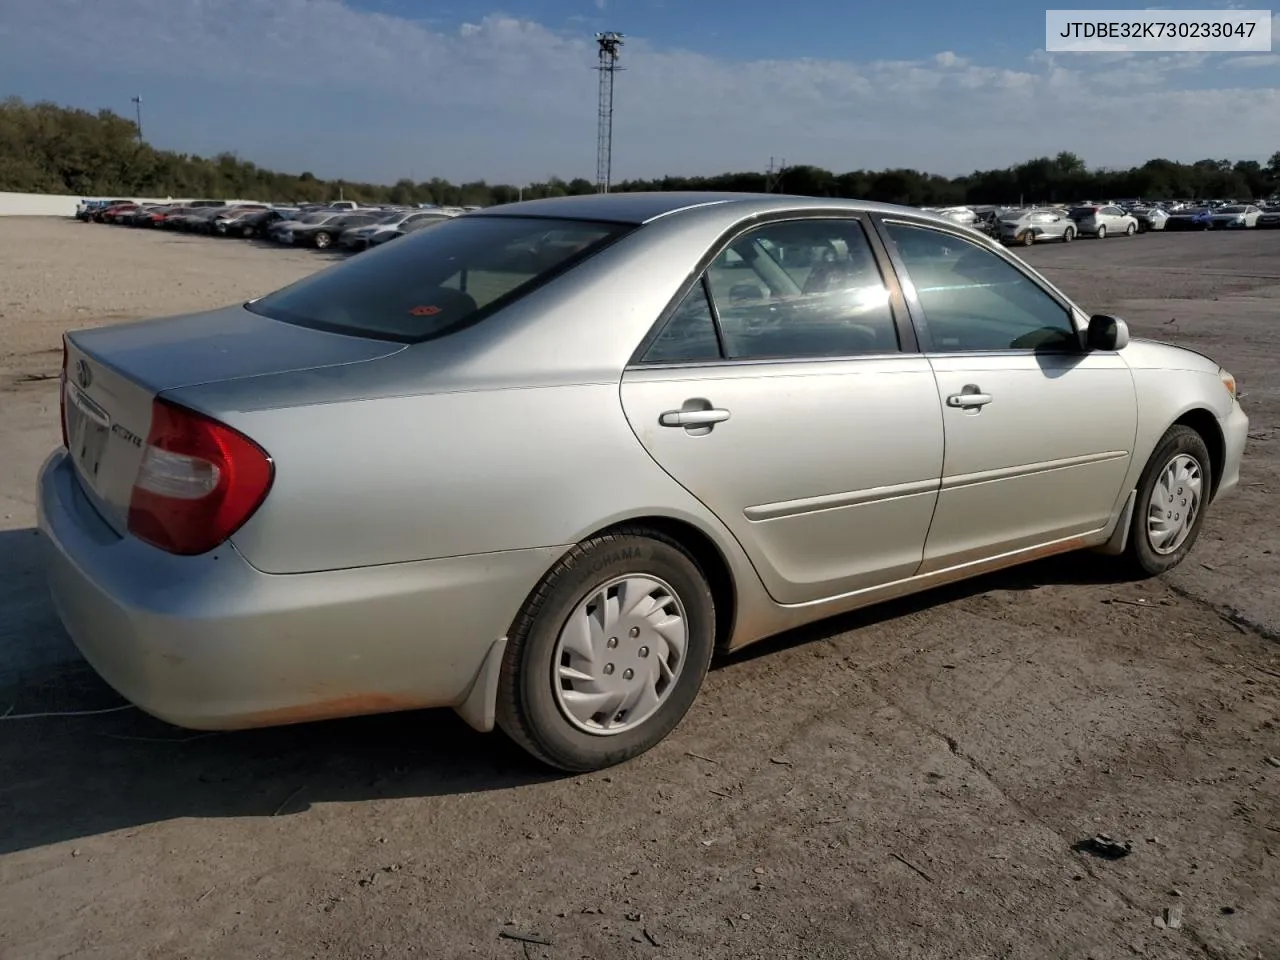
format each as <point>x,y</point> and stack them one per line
<point>1030,226</point>
<point>539,462</point>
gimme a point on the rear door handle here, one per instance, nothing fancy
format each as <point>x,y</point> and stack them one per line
<point>693,418</point>
<point>969,401</point>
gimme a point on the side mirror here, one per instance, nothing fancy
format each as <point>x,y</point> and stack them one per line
<point>1107,333</point>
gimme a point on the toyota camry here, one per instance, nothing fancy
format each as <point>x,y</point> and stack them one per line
<point>540,462</point>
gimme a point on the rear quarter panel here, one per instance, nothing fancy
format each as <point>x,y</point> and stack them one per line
<point>448,474</point>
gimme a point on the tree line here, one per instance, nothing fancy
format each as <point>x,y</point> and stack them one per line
<point>47,148</point>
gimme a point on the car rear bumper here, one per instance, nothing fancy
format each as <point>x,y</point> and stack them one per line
<point>212,643</point>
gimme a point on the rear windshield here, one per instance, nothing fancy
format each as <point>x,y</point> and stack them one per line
<point>433,282</point>
<point>1083,213</point>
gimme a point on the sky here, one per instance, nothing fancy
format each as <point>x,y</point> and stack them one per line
<point>504,90</point>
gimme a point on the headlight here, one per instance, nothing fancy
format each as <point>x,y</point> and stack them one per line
<point>1229,382</point>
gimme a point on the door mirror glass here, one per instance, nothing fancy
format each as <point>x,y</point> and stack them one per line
<point>1107,333</point>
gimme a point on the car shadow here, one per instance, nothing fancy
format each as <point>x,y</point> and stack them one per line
<point>81,762</point>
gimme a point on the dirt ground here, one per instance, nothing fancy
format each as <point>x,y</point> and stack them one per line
<point>911,782</point>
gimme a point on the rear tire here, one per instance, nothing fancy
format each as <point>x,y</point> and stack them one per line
<point>1173,493</point>
<point>584,656</point>
<point>1068,235</point>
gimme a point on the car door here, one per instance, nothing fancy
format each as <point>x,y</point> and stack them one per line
<point>1039,431</point>
<point>785,391</point>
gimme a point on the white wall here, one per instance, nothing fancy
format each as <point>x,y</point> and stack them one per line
<point>49,205</point>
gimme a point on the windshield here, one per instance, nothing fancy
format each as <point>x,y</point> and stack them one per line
<point>436,281</point>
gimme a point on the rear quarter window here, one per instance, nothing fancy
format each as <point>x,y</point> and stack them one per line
<point>433,282</point>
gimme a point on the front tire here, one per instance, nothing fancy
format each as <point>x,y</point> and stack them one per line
<point>608,653</point>
<point>322,240</point>
<point>1169,509</point>
<point>1130,230</point>
<point>1102,232</point>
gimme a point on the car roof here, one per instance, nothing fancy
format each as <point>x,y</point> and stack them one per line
<point>644,207</point>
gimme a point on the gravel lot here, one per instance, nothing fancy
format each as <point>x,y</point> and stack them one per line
<point>909,782</point>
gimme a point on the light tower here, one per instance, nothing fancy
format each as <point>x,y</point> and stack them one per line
<point>137,102</point>
<point>610,43</point>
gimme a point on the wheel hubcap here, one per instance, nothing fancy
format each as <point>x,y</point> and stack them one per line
<point>619,655</point>
<point>1174,504</point>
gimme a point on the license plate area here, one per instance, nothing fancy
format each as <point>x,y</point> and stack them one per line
<point>88,430</point>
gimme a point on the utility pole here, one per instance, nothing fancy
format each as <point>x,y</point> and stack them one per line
<point>610,44</point>
<point>137,102</point>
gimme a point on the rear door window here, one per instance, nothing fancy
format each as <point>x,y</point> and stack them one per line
<point>794,289</point>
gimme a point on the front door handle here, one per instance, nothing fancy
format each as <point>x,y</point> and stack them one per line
<point>970,398</point>
<point>693,418</point>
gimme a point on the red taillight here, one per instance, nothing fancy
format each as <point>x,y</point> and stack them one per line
<point>198,483</point>
<point>62,396</point>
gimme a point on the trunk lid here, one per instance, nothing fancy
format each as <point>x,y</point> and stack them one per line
<point>113,374</point>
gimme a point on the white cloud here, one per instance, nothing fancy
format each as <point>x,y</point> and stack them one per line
<point>1254,60</point>
<point>527,96</point>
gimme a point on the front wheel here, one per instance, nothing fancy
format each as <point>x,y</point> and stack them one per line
<point>1102,232</point>
<point>322,240</point>
<point>608,653</point>
<point>1130,230</point>
<point>1169,508</point>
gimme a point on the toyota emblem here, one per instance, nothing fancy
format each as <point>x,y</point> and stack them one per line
<point>84,376</point>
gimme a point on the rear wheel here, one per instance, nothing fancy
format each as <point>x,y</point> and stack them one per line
<point>323,240</point>
<point>608,653</point>
<point>1068,235</point>
<point>1169,509</point>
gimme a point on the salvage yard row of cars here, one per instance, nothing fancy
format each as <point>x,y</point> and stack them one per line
<point>1029,225</point>
<point>351,227</point>
<point>341,224</point>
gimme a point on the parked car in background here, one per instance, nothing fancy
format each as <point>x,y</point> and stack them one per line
<point>1236,216</point>
<point>322,235</point>
<point>538,462</point>
<point>360,237</point>
<point>1269,218</point>
<point>256,223</point>
<point>86,209</point>
<point>1031,226</point>
<point>1103,221</point>
<point>412,227</point>
<point>282,230</point>
<point>1190,218</point>
<point>1150,218</point>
